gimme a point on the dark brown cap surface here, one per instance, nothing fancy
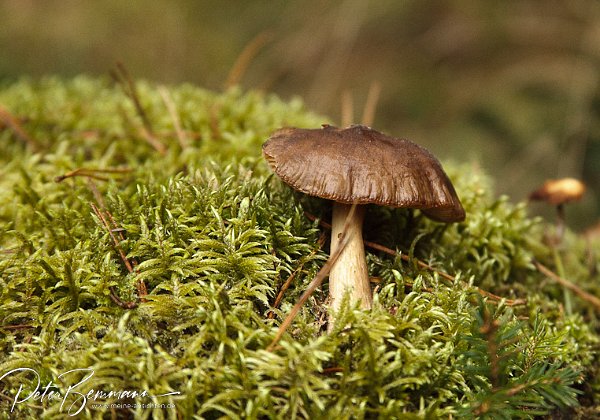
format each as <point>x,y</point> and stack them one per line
<point>361,165</point>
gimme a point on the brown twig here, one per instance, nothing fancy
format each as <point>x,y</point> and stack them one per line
<point>172,109</point>
<point>347,108</point>
<point>97,196</point>
<point>26,340</point>
<point>122,77</point>
<point>291,277</point>
<point>113,295</point>
<point>140,284</point>
<point>245,58</point>
<point>406,258</point>
<point>112,235</point>
<point>371,104</point>
<point>588,297</point>
<point>489,330</point>
<point>284,287</point>
<point>8,251</point>
<point>117,230</point>
<point>16,327</point>
<point>334,369</point>
<point>316,282</point>
<point>92,173</point>
<point>213,121</point>
<point>11,122</point>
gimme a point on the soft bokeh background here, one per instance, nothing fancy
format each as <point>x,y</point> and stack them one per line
<point>511,85</point>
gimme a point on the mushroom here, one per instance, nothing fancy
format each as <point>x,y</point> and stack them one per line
<point>359,165</point>
<point>558,192</point>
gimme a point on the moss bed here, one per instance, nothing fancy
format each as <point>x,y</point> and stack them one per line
<point>141,253</point>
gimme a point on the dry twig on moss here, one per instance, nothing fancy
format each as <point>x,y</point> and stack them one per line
<point>316,282</point>
<point>172,109</point>
<point>371,104</point>
<point>245,58</point>
<point>7,119</point>
<point>92,173</point>
<point>121,76</point>
<point>111,231</point>
<point>588,297</point>
<point>406,258</point>
<point>291,277</point>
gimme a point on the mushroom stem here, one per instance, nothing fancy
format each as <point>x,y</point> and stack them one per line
<point>349,273</point>
<point>560,223</point>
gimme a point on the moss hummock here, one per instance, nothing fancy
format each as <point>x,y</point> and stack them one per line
<point>152,273</point>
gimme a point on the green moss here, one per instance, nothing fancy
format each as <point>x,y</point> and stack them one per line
<point>213,236</point>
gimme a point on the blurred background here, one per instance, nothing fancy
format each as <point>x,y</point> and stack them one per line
<point>511,86</point>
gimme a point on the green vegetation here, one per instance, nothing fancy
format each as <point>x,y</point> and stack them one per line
<point>213,236</point>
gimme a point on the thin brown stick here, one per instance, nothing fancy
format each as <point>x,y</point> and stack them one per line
<point>291,277</point>
<point>371,104</point>
<point>347,108</point>
<point>406,258</point>
<point>92,173</point>
<point>99,199</point>
<point>112,235</point>
<point>316,282</point>
<point>140,284</point>
<point>284,287</point>
<point>12,123</point>
<point>26,340</point>
<point>213,122</point>
<point>245,58</point>
<point>122,77</point>
<point>116,230</point>
<point>172,109</point>
<point>588,297</point>
<point>113,295</point>
<point>16,327</point>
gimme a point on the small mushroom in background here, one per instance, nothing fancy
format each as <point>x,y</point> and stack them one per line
<point>558,192</point>
<point>359,165</point>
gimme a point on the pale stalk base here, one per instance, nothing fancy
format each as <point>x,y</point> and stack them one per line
<point>349,274</point>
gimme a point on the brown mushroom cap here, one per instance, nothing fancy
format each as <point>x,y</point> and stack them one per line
<point>559,191</point>
<point>361,165</point>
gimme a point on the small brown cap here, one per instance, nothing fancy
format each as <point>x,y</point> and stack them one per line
<point>559,191</point>
<point>361,165</point>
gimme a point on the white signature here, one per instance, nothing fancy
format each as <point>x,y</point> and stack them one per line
<point>77,399</point>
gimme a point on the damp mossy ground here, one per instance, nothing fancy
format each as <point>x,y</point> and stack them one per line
<point>213,236</point>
